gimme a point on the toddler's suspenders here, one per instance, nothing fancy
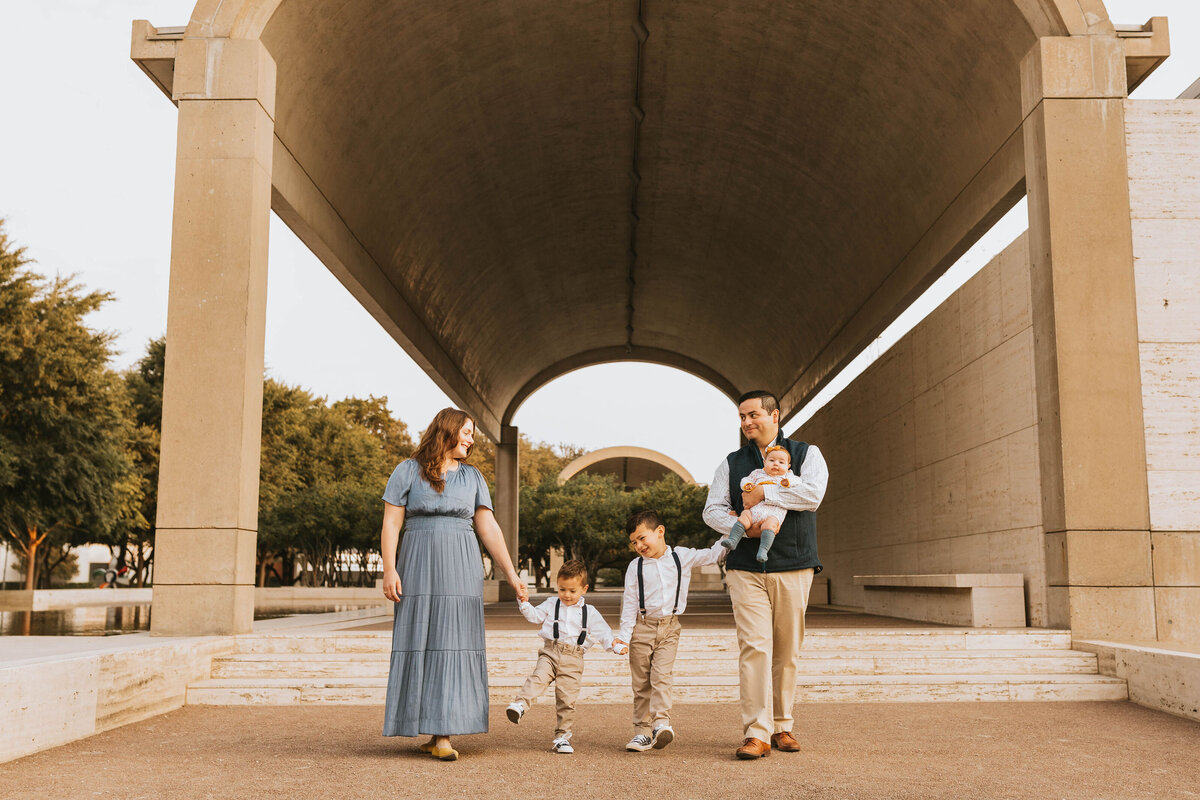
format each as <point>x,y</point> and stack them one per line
<point>583,630</point>
<point>642,584</point>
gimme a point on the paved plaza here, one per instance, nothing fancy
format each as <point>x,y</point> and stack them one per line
<point>959,750</point>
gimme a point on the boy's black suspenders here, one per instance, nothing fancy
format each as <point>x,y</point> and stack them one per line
<point>582,632</point>
<point>642,584</point>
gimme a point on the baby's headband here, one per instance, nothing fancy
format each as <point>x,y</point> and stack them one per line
<point>777,447</point>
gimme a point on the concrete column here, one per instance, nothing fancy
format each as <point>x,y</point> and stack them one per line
<point>212,394</point>
<point>508,487</point>
<point>1092,446</point>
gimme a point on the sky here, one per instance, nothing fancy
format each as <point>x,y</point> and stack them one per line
<point>87,162</point>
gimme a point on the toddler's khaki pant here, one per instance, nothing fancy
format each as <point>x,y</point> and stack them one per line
<point>652,649</point>
<point>561,663</point>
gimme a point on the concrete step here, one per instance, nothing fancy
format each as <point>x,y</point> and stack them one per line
<point>702,641</point>
<point>814,662</point>
<point>615,689</point>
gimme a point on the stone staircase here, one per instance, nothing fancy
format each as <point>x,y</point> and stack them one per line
<point>837,665</point>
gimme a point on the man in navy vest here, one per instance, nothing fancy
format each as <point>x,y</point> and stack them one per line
<point>769,599</point>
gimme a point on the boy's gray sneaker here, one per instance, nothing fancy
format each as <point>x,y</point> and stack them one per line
<point>562,745</point>
<point>663,736</point>
<point>639,744</point>
<point>515,710</point>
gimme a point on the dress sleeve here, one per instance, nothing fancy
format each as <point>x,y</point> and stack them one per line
<point>483,498</point>
<point>398,485</point>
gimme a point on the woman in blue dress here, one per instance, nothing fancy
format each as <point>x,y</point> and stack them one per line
<point>437,684</point>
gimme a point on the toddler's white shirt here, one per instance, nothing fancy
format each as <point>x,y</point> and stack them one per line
<point>570,622</point>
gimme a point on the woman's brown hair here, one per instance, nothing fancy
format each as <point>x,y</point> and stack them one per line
<point>436,443</point>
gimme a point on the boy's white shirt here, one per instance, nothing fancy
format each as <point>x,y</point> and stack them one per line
<point>659,577</point>
<point>570,622</point>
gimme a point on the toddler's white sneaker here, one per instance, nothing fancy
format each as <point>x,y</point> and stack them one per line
<point>639,744</point>
<point>515,710</point>
<point>663,736</point>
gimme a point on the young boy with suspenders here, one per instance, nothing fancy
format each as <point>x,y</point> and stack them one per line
<point>569,627</point>
<point>655,594</point>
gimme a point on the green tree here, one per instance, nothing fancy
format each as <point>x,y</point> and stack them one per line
<point>585,516</point>
<point>373,415</point>
<point>65,470</point>
<point>134,539</point>
<point>536,461</point>
<point>322,473</point>
<point>680,505</point>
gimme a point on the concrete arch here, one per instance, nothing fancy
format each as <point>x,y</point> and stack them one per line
<point>613,355</point>
<point>749,191</point>
<point>625,453</point>
<point>343,87</point>
<point>247,19</point>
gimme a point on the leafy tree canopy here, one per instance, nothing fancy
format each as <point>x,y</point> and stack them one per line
<point>64,467</point>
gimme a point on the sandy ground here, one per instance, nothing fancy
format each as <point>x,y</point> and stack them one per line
<point>953,750</point>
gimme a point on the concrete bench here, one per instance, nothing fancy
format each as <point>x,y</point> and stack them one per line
<point>976,600</point>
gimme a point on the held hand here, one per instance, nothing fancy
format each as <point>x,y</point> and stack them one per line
<point>619,647</point>
<point>391,585</point>
<point>519,587</point>
<point>751,499</point>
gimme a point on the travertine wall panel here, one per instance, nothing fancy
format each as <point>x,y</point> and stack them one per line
<point>1163,142</point>
<point>933,450</point>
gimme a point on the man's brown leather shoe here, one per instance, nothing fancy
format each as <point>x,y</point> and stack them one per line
<point>754,748</point>
<point>786,742</point>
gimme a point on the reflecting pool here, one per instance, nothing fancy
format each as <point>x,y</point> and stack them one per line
<point>112,620</point>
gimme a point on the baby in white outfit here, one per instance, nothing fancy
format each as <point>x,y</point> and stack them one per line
<point>777,470</point>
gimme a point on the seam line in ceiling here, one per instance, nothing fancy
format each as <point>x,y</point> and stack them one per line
<point>641,34</point>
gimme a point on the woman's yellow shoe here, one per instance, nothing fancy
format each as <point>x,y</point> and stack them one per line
<point>446,753</point>
<point>428,746</point>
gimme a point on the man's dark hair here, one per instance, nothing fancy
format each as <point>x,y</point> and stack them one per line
<point>769,401</point>
<point>573,569</point>
<point>639,518</point>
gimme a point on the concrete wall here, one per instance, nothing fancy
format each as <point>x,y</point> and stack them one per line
<point>1163,144</point>
<point>933,451</point>
<point>54,699</point>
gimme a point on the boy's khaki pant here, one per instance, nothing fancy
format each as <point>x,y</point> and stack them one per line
<point>562,663</point>
<point>768,610</point>
<point>652,649</point>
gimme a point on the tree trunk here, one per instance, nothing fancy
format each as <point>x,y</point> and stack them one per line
<point>31,558</point>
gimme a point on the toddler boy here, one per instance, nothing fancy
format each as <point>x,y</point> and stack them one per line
<point>656,587</point>
<point>569,627</point>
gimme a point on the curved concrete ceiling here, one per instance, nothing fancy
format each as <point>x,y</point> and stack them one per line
<point>632,466</point>
<point>772,166</point>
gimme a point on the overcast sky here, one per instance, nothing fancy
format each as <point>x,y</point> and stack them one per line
<point>87,161</point>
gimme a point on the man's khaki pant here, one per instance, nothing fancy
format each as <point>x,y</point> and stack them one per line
<point>562,663</point>
<point>768,610</point>
<point>652,649</point>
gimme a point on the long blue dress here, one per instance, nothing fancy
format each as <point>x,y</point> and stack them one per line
<point>437,684</point>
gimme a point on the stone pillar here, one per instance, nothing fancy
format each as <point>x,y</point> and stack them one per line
<point>212,395</point>
<point>1095,505</point>
<point>557,558</point>
<point>508,495</point>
